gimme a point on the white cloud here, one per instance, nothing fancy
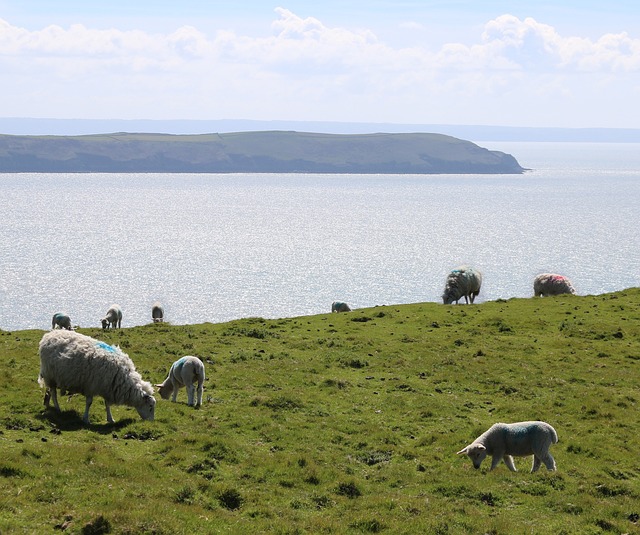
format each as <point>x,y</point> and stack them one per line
<point>303,64</point>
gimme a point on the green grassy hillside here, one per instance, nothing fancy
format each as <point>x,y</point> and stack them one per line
<point>343,423</point>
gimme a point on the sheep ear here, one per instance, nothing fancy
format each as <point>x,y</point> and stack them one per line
<point>463,451</point>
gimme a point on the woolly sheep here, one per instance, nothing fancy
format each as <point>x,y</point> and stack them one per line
<point>157,312</point>
<point>113,318</point>
<point>462,282</point>
<point>339,306</point>
<point>62,321</point>
<point>79,364</point>
<point>552,284</point>
<point>184,372</point>
<point>521,439</point>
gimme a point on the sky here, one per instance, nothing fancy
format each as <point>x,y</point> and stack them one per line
<point>569,64</point>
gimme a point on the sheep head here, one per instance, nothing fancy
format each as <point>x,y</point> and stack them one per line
<point>476,452</point>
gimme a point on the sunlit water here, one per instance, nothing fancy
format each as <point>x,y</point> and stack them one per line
<point>217,247</point>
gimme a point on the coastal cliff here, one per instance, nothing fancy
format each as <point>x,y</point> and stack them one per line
<point>252,152</point>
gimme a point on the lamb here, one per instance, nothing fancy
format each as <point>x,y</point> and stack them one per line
<point>552,284</point>
<point>184,372</point>
<point>339,306</point>
<point>157,312</point>
<point>79,364</point>
<point>462,282</point>
<point>521,439</point>
<point>113,318</point>
<point>62,321</point>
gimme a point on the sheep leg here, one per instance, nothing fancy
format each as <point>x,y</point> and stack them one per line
<point>200,389</point>
<point>48,394</point>
<point>508,460</point>
<point>54,397</point>
<point>495,460</point>
<point>190,392</point>
<point>175,392</point>
<point>85,417</point>
<point>536,464</point>
<point>109,417</point>
<point>549,462</point>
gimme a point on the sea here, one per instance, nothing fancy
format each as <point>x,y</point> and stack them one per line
<point>218,247</point>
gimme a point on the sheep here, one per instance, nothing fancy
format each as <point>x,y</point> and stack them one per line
<point>62,321</point>
<point>521,439</point>
<point>462,282</point>
<point>552,284</point>
<point>157,312</point>
<point>339,306</point>
<point>113,318</point>
<point>184,372</point>
<point>79,364</point>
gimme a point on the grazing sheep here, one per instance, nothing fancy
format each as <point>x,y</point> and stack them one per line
<point>184,372</point>
<point>339,306</point>
<point>113,318</point>
<point>157,312</point>
<point>62,321</point>
<point>521,439</point>
<point>552,284</point>
<point>462,282</point>
<point>79,364</point>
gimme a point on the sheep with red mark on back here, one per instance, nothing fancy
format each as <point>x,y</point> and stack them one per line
<point>552,284</point>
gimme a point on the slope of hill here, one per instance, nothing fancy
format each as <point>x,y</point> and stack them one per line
<point>267,152</point>
<point>341,423</point>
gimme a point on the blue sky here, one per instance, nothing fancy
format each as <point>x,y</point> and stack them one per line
<point>517,63</point>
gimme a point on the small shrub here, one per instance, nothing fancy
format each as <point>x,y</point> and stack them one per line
<point>321,502</point>
<point>99,526</point>
<point>368,526</point>
<point>230,499</point>
<point>185,495</point>
<point>283,403</point>
<point>9,471</point>
<point>374,457</point>
<point>350,490</point>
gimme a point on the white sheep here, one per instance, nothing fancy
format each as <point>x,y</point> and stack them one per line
<point>521,439</point>
<point>79,364</point>
<point>462,282</point>
<point>184,372</point>
<point>552,284</point>
<point>113,318</point>
<point>157,312</point>
<point>339,306</point>
<point>62,321</point>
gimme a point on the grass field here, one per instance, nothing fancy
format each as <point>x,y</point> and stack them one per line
<point>343,423</point>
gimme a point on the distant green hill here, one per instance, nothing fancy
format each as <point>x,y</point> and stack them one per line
<point>247,152</point>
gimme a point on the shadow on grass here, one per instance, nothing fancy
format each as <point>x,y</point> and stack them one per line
<point>71,420</point>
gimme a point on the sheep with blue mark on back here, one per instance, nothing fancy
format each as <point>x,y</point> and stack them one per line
<point>462,282</point>
<point>520,439</point>
<point>79,364</point>
<point>339,306</point>
<point>185,371</point>
<point>62,321</point>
